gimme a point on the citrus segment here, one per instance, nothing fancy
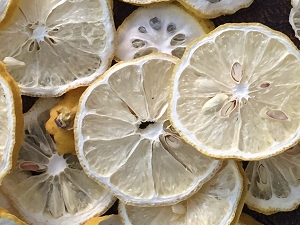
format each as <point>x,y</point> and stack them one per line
<point>8,219</point>
<point>237,80</point>
<point>48,188</point>
<point>215,203</point>
<point>215,8</point>
<point>64,44</point>
<point>274,182</point>
<point>125,141</point>
<point>105,220</point>
<point>162,27</point>
<point>11,122</point>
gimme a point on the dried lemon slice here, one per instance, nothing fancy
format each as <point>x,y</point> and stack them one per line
<point>247,220</point>
<point>240,79</point>
<point>215,8</point>
<point>215,203</point>
<point>274,183</point>
<point>49,189</point>
<point>8,219</point>
<point>125,141</point>
<point>7,11</point>
<point>162,27</point>
<point>105,220</point>
<point>64,44</point>
<point>11,126</point>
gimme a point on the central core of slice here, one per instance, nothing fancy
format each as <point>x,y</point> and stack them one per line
<point>57,164</point>
<point>150,129</point>
<point>241,91</point>
<point>37,32</point>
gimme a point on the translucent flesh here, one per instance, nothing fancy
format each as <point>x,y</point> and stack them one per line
<point>275,182</point>
<point>215,203</point>
<point>68,192</point>
<point>137,166</point>
<point>264,59</point>
<point>71,46</point>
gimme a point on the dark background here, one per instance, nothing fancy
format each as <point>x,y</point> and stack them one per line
<point>273,13</point>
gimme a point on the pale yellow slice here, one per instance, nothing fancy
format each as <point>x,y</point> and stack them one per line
<point>274,183</point>
<point>215,8</point>
<point>8,219</point>
<point>235,93</point>
<point>215,203</point>
<point>11,122</point>
<point>124,139</point>
<point>47,188</point>
<point>64,44</point>
<point>161,27</point>
<point>105,220</point>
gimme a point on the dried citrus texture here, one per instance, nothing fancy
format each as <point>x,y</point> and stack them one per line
<point>49,189</point>
<point>294,18</point>
<point>215,8</point>
<point>8,219</point>
<point>64,44</point>
<point>6,204</point>
<point>274,183</point>
<point>7,11</point>
<point>105,220</point>
<point>247,220</point>
<point>162,27</point>
<point>215,203</point>
<point>144,2</point>
<point>11,122</point>
<point>61,121</point>
<point>125,141</point>
<point>240,79</point>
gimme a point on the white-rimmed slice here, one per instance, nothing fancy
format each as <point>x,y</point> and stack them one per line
<point>274,183</point>
<point>64,44</point>
<point>47,188</point>
<point>218,202</point>
<point>235,93</point>
<point>125,141</point>
<point>161,27</point>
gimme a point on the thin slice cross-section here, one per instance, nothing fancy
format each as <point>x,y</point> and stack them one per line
<point>47,188</point>
<point>215,8</point>
<point>125,141</point>
<point>162,27</point>
<point>235,94</point>
<point>64,44</point>
<point>274,183</point>
<point>218,202</point>
<point>11,122</point>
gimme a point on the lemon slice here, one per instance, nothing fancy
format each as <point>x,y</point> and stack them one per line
<point>215,8</point>
<point>125,141</point>
<point>8,219</point>
<point>64,44</point>
<point>215,203</point>
<point>240,79</point>
<point>247,220</point>
<point>294,17</point>
<point>274,183</point>
<point>162,27</point>
<point>47,188</point>
<point>105,220</point>
<point>11,131</point>
<point>7,11</point>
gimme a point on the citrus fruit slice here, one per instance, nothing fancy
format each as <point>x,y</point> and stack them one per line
<point>274,183</point>
<point>162,27</point>
<point>47,188</point>
<point>8,219</point>
<point>60,123</point>
<point>215,8</point>
<point>215,203</point>
<point>238,80</point>
<point>6,204</point>
<point>11,131</point>
<point>247,220</point>
<point>105,220</point>
<point>125,141</point>
<point>64,44</point>
<point>294,17</point>
<point>7,11</point>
